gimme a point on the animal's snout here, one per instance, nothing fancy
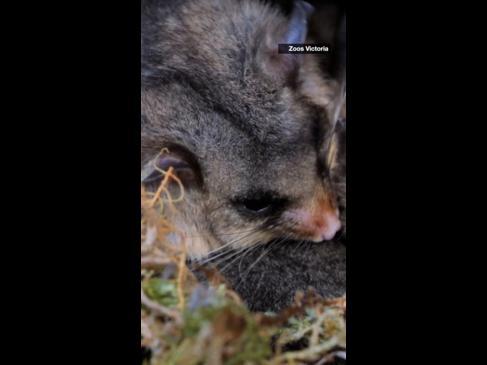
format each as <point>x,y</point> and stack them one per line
<point>316,225</point>
<point>327,226</point>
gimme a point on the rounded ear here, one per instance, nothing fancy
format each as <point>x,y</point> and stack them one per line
<point>183,163</point>
<point>283,67</point>
<point>297,28</point>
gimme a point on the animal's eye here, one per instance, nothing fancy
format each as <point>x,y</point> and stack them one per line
<point>257,205</point>
<point>260,204</point>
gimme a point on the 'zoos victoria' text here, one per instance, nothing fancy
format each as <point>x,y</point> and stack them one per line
<point>303,48</point>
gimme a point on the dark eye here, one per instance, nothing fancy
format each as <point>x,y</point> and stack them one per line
<point>257,205</point>
<point>260,204</point>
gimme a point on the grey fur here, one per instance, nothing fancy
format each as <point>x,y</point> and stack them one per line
<point>213,85</point>
<point>270,282</point>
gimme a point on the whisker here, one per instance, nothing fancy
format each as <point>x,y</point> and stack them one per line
<point>255,246</point>
<point>222,270</point>
<point>298,245</point>
<point>250,246</point>
<point>236,241</point>
<point>271,246</point>
<point>210,256</point>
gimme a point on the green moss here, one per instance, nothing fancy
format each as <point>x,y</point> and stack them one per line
<point>214,326</point>
<point>162,291</point>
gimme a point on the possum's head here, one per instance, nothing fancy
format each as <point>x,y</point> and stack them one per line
<point>242,124</point>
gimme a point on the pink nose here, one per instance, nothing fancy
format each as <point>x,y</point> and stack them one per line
<point>326,227</point>
<point>316,226</point>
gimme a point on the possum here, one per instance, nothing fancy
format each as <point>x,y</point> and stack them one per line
<point>267,277</point>
<point>241,125</point>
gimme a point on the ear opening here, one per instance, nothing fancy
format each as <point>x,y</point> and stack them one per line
<point>177,159</point>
